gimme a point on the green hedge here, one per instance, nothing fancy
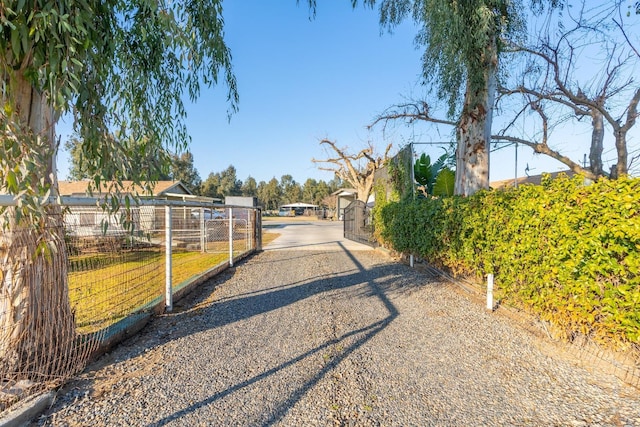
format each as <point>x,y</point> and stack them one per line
<point>565,251</point>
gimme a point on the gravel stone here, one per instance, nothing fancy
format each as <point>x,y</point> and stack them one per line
<point>337,338</point>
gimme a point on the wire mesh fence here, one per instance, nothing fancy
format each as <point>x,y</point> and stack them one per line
<point>102,276</point>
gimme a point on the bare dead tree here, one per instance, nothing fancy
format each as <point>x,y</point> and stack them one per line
<point>542,147</point>
<point>549,78</point>
<point>350,167</point>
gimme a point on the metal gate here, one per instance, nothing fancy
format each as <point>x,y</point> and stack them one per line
<point>358,224</point>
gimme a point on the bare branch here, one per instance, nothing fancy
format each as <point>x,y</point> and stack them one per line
<point>409,112</point>
<point>592,28</point>
<point>624,34</point>
<point>544,149</point>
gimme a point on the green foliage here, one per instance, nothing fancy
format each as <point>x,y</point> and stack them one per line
<point>23,158</point>
<point>128,156</point>
<point>121,68</point>
<point>222,184</point>
<point>291,190</point>
<point>183,170</point>
<point>456,37</point>
<point>399,169</point>
<point>436,178</point>
<point>566,251</point>
<point>445,183</point>
<point>425,173</point>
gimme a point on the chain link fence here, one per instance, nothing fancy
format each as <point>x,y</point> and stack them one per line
<point>102,279</point>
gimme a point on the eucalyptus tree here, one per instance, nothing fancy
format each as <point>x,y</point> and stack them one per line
<point>121,68</point>
<point>291,190</point>
<point>270,194</point>
<point>230,185</point>
<point>463,42</point>
<point>161,162</point>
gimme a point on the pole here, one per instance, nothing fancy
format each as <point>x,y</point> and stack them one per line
<point>168,296</point>
<point>230,237</point>
<point>411,171</point>
<point>515,179</point>
<point>203,241</point>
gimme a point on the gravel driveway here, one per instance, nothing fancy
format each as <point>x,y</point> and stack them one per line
<point>331,337</point>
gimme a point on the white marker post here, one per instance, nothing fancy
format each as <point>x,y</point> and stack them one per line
<point>490,292</point>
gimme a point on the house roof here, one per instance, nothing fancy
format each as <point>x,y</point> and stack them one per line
<point>533,179</point>
<point>345,192</point>
<point>161,188</point>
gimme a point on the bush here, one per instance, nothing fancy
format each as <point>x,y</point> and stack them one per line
<point>565,251</point>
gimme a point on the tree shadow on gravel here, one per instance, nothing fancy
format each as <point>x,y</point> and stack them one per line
<point>250,305</point>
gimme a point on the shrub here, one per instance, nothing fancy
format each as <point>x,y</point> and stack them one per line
<point>565,251</point>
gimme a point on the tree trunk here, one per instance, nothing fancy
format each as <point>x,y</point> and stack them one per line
<point>364,188</point>
<point>37,329</point>
<point>620,168</point>
<point>474,133</point>
<point>597,143</point>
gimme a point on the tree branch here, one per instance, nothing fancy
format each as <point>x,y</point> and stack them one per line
<point>544,149</point>
<point>410,112</point>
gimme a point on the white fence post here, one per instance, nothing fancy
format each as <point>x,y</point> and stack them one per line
<point>249,236</point>
<point>490,292</point>
<point>203,239</point>
<point>257,230</point>
<point>167,277</point>
<point>230,237</point>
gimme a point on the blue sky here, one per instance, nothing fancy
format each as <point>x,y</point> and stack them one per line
<point>301,80</point>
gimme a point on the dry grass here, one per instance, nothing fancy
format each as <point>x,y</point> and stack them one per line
<point>268,237</point>
<point>104,288</point>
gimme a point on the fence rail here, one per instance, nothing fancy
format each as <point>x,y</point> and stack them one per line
<point>118,270</point>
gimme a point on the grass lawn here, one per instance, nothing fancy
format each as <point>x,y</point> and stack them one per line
<point>105,287</point>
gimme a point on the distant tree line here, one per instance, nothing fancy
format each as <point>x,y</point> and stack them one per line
<point>271,195</point>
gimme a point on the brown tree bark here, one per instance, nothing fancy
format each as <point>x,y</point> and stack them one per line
<point>474,131</point>
<point>597,143</point>
<point>37,329</point>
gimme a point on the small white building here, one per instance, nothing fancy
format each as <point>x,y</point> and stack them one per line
<point>344,196</point>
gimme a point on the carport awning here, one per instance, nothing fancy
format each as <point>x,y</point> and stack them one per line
<point>299,205</point>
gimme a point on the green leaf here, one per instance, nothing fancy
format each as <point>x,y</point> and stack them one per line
<point>15,42</point>
<point>12,182</point>
<point>445,183</point>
